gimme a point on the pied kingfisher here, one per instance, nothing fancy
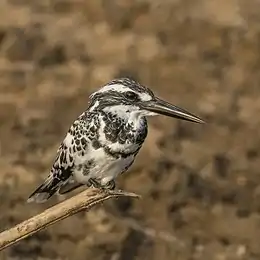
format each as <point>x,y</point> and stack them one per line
<point>105,139</point>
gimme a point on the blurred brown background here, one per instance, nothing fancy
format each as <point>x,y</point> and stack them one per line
<point>200,184</point>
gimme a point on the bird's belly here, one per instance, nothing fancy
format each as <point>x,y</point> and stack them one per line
<point>104,167</point>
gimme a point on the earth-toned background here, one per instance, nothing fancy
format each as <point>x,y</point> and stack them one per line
<point>200,185</point>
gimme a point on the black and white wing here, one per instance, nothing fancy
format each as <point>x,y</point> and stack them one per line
<point>62,169</point>
<point>59,175</point>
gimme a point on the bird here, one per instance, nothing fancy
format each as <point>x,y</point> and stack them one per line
<point>103,142</point>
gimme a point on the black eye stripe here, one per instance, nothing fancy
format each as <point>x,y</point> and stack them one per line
<point>131,95</point>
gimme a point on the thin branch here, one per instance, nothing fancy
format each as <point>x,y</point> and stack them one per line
<point>82,201</point>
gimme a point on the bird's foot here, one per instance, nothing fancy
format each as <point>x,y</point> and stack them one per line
<point>111,185</point>
<point>92,183</point>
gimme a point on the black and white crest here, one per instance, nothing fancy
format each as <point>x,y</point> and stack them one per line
<point>131,84</point>
<point>123,91</point>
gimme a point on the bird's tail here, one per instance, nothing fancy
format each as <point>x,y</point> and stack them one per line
<point>45,191</point>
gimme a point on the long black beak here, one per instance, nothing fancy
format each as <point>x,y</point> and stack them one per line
<point>164,108</point>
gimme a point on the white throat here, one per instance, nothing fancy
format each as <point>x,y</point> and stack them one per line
<point>129,114</point>
<point>132,115</point>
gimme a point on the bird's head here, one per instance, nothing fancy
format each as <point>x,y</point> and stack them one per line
<point>126,96</point>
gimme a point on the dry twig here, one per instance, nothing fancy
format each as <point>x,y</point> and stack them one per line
<point>82,201</point>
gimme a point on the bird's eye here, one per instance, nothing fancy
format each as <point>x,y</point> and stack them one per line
<point>131,95</point>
